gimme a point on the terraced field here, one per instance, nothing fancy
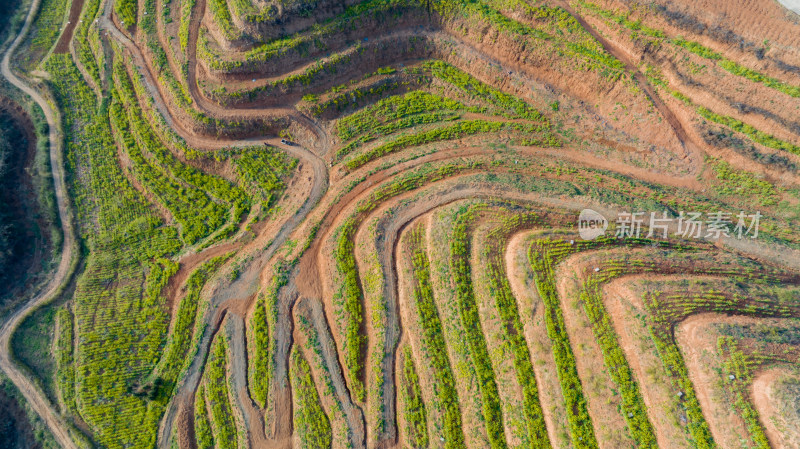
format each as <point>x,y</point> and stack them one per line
<point>365,224</point>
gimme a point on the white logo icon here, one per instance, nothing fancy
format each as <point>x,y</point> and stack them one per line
<point>591,224</point>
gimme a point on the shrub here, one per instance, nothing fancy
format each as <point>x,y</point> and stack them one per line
<point>126,11</point>
<point>413,405</point>
<point>202,426</point>
<point>223,425</point>
<point>468,311</point>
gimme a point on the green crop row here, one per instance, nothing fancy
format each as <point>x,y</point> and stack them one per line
<point>449,132</point>
<point>696,48</point>
<point>507,105</point>
<point>350,297</point>
<point>44,33</point>
<point>65,362</point>
<point>394,108</point>
<point>623,19</point>
<point>393,127</point>
<point>165,76</point>
<point>468,311</point>
<point>313,38</point>
<point>675,366</point>
<point>743,184</point>
<point>186,20</point>
<point>514,333</point>
<point>761,137</point>
<point>221,15</point>
<point>159,272</point>
<point>312,425</point>
<point>553,20</point>
<point>244,8</point>
<point>190,207</point>
<point>373,283</point>
<point>547,139</point>
<point>202,427</point>
<point>122,213</point>
<point>259,358</point>
<point>434,344</point>
<point>632,401</point>
<point>115,353</point>
<point>410,391</point>
<point>319,71</point>
<point>667,309</point>
<point>353,308</point>
<point>544,255</point>
<point>261,365</point>
<point>754,134</point>
<point>345,100</point>
<point>752,75</point>
<point>587,49</point>
<point>86,58</point>
<point>418,107</point>
<point>738,366</point>
<point>223,425</point>
<point>215,186</point>
<point>633,406</point>
<point>427,173</point>
<point>327,388</point>
<point>736,68</point>
<point>169,166</point>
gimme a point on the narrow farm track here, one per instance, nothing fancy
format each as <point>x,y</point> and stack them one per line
<point>33,394</point>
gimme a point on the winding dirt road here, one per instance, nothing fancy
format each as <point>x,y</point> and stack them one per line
<point>29,390</point>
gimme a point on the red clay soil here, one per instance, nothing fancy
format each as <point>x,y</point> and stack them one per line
<point>763,395</point>
<point>690,146</point>
<point>74,15</point>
